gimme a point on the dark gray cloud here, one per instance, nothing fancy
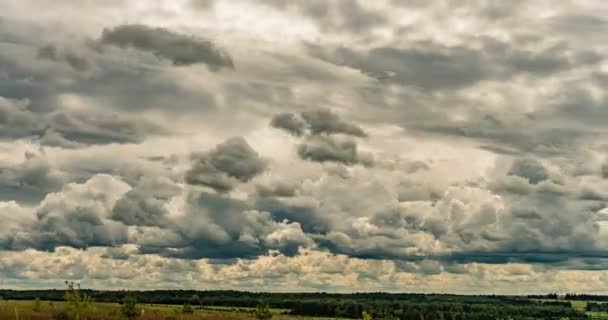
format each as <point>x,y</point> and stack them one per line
<point>75,61</point>
<point>433,66</point>
<point>329,149</point>
<point>76,217</point>
<point>335,15</point>
<point>177,48</point>
<point>71,128</point>
<point>139,209</point>
<point>289,122</point>
<point>30,180</point>
<point>325,122</point>
<point>530,169</point>
<point>218,227</point>
<point>231,161</point>
<point>315,122</point>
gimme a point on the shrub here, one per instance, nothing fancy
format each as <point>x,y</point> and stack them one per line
<point>262,312</point>
<point>187,309</point>
<point>36,306</point>
<point>130,309</point>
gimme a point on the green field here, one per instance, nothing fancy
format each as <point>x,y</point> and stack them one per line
<point>45,310</point>
<point>410,307</point>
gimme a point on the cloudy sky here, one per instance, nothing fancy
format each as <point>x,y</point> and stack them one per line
<point>428,146</point>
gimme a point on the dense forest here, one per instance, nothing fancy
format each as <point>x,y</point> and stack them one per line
<point>379,305</point>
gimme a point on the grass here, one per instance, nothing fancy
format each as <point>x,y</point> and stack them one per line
<point>579,305</point>
<point>598,315</point>
<point>24,310</point>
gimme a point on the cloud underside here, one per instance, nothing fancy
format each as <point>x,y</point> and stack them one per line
<point>460,142</point>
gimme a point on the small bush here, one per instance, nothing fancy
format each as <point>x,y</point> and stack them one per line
<point>36,306</point>
<point>262,312</point>
<point>130,309</point>
<point>187,309</point>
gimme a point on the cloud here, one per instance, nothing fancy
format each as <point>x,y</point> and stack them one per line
<point>290,123</point>
<point>231,162</point>
<point>433,145</point>
<point>219,227</point>
<point>529,169</point>
<point>340,15</point>
<point>52,53</point>
<point>432,66</point>
<point>15,118</point>
<point>315,122</point>
<point>177,48</point>
<point>328,149</point>
<point>76,216</point>
<point>31,179</point>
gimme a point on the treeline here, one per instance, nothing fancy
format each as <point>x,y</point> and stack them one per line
<point>379,305</point>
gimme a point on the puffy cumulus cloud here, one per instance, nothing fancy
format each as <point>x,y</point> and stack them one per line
<point>309,270</point>
<point>177,48</point>
<point>220,227</point>
<point>231,161</point>
<point>76,216</point>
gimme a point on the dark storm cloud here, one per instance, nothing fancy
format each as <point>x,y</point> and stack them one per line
<point>179,49</point>
<point>231,161</point>
<point>52,53</point>
<point>328,149</point>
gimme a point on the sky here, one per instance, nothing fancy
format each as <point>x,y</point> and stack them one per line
<point>271,145</point>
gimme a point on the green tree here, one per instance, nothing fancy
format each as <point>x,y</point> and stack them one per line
<point>262,312</point>
<point>130,309</point>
